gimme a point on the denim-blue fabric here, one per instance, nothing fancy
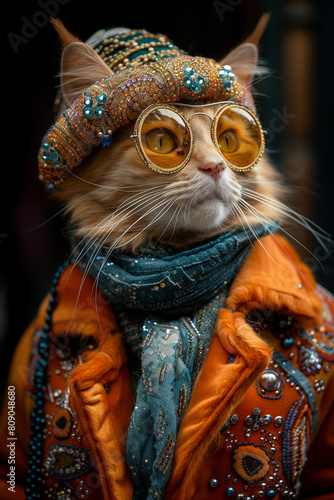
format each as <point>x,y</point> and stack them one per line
<point>175,284</point>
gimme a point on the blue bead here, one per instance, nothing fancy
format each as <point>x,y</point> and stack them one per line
<point>106,140</point>
<point>196,87</point>
<point>50,186</point>
<point>189,71</point>
<point>101,98</point>
<point>271,494</point>
<point>88,102</point>
<point>187,81</point>
<point>229,491</point>
<point>46,145</point>
<point>88,112</point>
<point>98,111</point>
<point>287,343</point>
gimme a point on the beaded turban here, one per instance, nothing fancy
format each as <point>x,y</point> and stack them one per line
<point>147,69</point>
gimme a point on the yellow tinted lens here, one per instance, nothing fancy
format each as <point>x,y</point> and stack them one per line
<point>160,141</point>
<point>165,139</point>
<point>228,142</point>
<point>238,135</point>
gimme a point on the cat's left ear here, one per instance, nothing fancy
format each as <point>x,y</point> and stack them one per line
<point>244,58</point>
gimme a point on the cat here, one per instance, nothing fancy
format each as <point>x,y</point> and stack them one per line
<point>227,327</point>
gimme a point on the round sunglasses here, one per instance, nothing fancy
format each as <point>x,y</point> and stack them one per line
<point>164,139</point>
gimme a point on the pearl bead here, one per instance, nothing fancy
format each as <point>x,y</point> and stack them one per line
<point>234,419</point>
<point>270,380</point>
<point>213,483</point>
<point>278,421</point>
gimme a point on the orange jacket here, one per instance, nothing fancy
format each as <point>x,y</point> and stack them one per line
<point>249,424</point>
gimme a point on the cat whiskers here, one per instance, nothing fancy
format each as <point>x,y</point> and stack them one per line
<point>98,229</point>
<point>319,234</point>
<point>176,215</point>
<point>240,213</point>
<point>245,207</point>
<point>98,235</point>
<point>126,189</point>
<point>165,204</point>
<point>99,241</point>
<point>128,209</point>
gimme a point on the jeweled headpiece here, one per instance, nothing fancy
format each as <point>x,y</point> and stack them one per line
<point>149,69</point>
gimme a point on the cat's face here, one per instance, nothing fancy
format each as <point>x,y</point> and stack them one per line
<point>121,202</point>
<point>115,199</point>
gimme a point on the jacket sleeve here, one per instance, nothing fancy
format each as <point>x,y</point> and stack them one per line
<point>15,423</point>
<point>318,473</point>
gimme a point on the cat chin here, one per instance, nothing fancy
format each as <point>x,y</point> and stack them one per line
<point>208,216</point>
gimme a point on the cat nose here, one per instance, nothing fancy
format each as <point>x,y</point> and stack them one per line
<point>213,169</point>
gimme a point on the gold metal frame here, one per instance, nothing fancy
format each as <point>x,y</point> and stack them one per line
<point>140,150</point>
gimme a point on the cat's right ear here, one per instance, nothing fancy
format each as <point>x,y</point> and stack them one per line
<point>244,58</point>
<point>81,66</point>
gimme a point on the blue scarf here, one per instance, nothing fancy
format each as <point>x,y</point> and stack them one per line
<point>166,306</point>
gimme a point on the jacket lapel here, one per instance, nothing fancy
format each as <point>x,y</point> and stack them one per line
<point>274,278</point>
<point>100,389</point>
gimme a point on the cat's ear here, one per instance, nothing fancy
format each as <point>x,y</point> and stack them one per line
<point>81,66</point>
<point>244,58</point>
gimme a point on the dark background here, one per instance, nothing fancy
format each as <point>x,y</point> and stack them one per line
<point>295,104</point>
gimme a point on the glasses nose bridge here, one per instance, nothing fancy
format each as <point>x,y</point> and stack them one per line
<point>200,113</point>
